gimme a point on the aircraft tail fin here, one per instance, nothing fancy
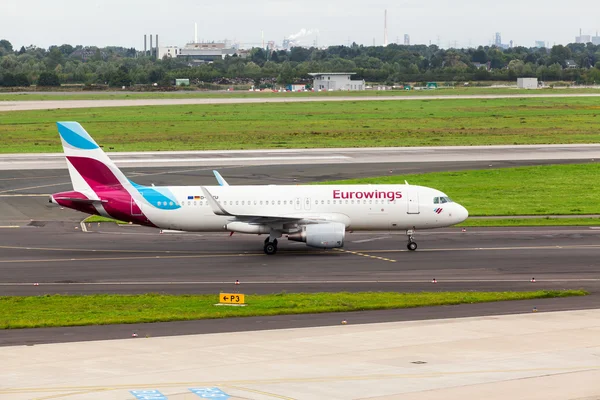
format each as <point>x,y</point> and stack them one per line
<point>91,170</point>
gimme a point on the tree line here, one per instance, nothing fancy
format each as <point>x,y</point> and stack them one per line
<point>393,64</point>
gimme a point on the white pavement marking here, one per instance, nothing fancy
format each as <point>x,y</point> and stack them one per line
<point>35,187</point>
<point>230,159</point>
<point>539,355</point>
<point>24,195</point>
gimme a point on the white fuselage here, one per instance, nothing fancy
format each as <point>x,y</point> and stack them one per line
<point>358,207</point>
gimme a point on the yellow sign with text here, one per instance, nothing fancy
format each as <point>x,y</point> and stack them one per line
<point>231,298</point>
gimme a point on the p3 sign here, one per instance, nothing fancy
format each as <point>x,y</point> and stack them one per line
<point>209,393</point>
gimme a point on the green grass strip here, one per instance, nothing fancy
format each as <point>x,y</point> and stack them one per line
<point>569,189</point>
<point>313,125</point>
<point>98,218</point>
<point>546,221</point>
<point>103,309</point>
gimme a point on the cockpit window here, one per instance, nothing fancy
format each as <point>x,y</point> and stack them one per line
<point>442,200</point>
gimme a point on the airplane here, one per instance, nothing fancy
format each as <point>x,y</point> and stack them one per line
<point>318,215</point>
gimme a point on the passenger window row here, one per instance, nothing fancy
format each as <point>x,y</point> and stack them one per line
<point>290,202</point>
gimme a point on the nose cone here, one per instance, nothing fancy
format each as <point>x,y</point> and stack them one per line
<point>461,214</point>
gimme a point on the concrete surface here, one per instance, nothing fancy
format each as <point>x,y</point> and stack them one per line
<point>322,157</point>
<point>68,103</point>
<point>529,356</point>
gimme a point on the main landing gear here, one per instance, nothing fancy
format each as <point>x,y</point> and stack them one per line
<point>271,245</point>
<point>411,245</point>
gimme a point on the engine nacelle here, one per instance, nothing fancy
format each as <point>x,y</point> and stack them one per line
<point>324,236</point>
<point>244,227</point>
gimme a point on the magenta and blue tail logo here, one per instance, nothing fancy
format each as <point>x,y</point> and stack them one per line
<point>438,210</point>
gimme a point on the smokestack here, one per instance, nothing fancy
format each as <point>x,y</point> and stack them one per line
<point>385,39</point>
<point>157,46</point>
<point>151,46</point>
<point>195,32</point>
<point>145,46</point>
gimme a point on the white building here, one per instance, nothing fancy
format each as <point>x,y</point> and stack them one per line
<point>336,81</point>
<point>197,51</point>
<point>583,39</point>
<point>527,83</point>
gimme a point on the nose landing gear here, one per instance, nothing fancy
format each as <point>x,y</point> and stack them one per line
<point>411,245</point>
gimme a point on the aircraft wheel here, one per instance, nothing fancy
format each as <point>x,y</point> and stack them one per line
<point>412,246</point>
<point>270,248</point>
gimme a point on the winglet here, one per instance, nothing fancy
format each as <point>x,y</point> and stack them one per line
<point>216,207</point>
<point>220,179</point>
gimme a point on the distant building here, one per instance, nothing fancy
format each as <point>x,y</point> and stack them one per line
<point>295,87</point>
<point>86,53</point>
<point>527,83</point>
<point>199,52</point>
<point>487,65</point>
<point>336,81</point>
<point>498,40</point>
<point>583,39</point>
<point>570,64</point>
<point>540,43</point>
<point>406,39</point>
<point>596,39</point>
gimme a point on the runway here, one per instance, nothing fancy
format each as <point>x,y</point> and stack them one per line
<point>131,259</point>
<point>67,103</point>
<point>323,157</point>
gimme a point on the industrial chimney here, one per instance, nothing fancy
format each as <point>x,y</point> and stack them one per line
<point>156,46</point>
<point>145,47</point>
<point>385,36</point>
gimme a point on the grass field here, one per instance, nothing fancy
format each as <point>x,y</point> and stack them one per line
<point>190,94</point>
<point>60,310</point>
<point>500,222</point>
<point>540,190</point>
<point>310,125</point>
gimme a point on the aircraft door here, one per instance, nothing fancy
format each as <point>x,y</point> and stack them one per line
<point>298,203</point>
<point>307,203</point>
<point>135,209</point>
<point>412,202</point>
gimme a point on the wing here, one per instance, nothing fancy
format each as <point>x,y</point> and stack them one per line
<point>297,219</point>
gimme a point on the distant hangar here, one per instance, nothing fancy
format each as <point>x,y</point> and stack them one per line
<point>336,81</point>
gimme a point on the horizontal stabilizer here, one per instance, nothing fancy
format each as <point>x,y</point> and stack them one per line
<point>82,201</point>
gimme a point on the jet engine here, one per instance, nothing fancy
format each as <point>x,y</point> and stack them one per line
<point>324,236</point>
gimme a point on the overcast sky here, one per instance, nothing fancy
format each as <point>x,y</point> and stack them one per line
<point>461,22</point>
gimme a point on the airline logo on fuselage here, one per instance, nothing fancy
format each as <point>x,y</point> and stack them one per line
<point>375,194</point>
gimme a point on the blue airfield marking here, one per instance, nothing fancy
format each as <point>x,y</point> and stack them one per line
<point>148,394</point>
<point>209,393</point>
